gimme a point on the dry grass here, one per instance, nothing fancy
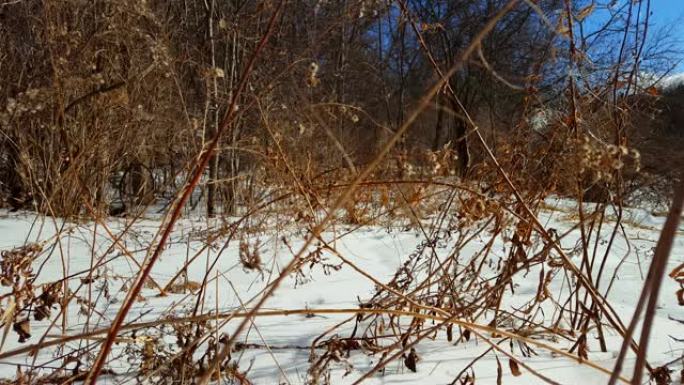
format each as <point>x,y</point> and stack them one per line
<point>142,118</point>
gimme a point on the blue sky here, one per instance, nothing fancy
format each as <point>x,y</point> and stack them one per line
<point>670,12</point>
<point>667,11</point>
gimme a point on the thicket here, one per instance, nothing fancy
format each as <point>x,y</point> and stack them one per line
<point>465,114</point>
<point>106,104</point>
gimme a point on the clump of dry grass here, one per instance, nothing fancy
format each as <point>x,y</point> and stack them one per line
<point>17,274</point>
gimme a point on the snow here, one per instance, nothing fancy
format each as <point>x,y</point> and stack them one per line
<point>672,81</point>
<point>376,250</point>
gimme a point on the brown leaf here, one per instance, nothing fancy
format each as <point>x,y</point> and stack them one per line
<point>499,372</point>
<point>411,360</point>
<point>41,312</point>
<point>515,369</point>
<point>582,350</point>
<point>23,328</point>
<point>653,91</point>
<point>661,375</point>
<point>466,334</point>
<point>7,317</point>
<point>184,287</point>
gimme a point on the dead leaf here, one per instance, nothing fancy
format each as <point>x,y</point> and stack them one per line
<point>466,334</point>
<point>7,318</point>
<point>411,360</point>
<point>515,369</point>
<point>653,91</point>
<point>23,328</point>
<point>582,350</point>
<point>499,372</point>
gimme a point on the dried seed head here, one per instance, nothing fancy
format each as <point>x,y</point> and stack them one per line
<point>612,150</point>
<point>312,78</point>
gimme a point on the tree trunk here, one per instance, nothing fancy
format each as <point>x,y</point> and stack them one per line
<point>461,141</point>
<point>213,97</point>
<point>439,126</point>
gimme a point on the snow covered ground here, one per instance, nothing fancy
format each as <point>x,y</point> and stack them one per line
<point>277,346</point>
